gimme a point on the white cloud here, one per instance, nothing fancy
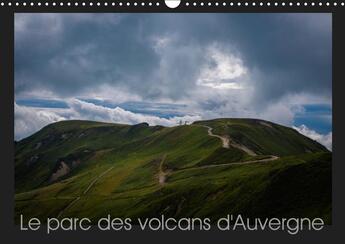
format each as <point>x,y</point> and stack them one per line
<point>221,69</point>
<point>29,120</point>
<point>85,110</point>
<point>279,112</point>
<point>324,139</point>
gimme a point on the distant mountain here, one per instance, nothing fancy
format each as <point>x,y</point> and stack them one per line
<point>208,169</point>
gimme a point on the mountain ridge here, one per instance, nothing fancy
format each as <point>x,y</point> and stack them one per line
<point>75,152</point>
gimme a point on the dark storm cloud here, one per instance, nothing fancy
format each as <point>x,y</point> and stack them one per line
<point>73,52</point>
<point>292,52</point>
<point>69,53</point>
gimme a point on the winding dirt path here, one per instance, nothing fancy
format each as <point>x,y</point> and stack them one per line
<point>227,142</point>
<point>161,174</point>
<point>84,192</point>
<point>264,160</point>
<point>96,179</point>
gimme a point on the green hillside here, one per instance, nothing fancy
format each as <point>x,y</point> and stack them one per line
<point>208,169</point>
<point>264,137</point>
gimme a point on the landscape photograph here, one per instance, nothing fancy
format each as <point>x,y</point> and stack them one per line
<point>185,115</point>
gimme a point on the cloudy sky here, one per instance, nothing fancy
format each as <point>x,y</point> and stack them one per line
<point>163,68</point>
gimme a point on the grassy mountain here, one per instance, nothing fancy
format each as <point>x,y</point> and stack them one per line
<point>207,169</point>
